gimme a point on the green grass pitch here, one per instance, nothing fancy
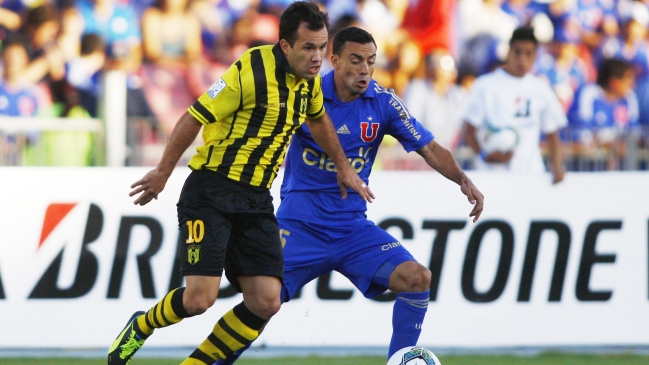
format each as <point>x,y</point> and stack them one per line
<point>543,359</point>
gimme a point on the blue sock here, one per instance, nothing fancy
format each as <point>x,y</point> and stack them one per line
<point>232,358</point>
<point>407,316</point>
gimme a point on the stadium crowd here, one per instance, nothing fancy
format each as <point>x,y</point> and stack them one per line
<point>593,53</point>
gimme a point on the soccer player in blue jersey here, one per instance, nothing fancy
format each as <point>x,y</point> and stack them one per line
<point>321,233</point>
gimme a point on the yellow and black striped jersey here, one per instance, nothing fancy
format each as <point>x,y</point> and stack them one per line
<point>250,114</point>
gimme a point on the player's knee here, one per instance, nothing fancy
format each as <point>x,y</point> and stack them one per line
<point>199,304</point>
<point>419,279</point>
<point>265,307</point>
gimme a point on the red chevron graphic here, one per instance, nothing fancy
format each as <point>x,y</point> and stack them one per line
<point>53,216</point>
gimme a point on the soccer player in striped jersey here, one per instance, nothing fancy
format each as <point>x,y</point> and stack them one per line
<point>321,233</point>
<point>248,117</point>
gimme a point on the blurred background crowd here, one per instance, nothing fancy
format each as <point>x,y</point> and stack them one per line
<point>594,54</point>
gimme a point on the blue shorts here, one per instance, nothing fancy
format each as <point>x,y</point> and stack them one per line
<point>362,252</point>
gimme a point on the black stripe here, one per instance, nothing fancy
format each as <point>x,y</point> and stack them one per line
<point>148,322</point>
<point>255,157</point>
<point>209,156</point>
<point>234,116</point>
<point>316,113</point>
<point>155,317</point>
<point>162,310</point>
<point>199,355</point>
<point>220,345</point>
<point>203,111</point>
<point>256,118</point>
<point>230,331</point>
<point>248,318</point>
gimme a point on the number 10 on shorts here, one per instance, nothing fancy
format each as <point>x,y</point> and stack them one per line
<point>195,231</point>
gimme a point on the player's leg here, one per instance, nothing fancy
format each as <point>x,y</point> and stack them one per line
<point>375,261</point>
<point>411,281</point>
<point>254,266</point>
<point>204,235</point>
<point>302,263</point>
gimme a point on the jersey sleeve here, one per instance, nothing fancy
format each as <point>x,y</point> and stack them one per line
<point>220,100</point>
<point>553,117</point>
<point>474,111</point>
<point>316,104</point>
<point>403,126</point>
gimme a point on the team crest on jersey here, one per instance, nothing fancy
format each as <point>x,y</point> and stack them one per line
<point>303,104</point>
<point>369,131</point>
<point>193,254</point>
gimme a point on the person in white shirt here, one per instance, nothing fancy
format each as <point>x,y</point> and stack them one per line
<point>437,100</point>
<point>512,98</point>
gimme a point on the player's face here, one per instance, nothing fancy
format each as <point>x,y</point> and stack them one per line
<point>353,69</point>
<point>307,53</point>
<point>520,58</point>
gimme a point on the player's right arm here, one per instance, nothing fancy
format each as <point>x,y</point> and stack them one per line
<point>323,132</point>
<point>154,181</point>
<point>442,160</point>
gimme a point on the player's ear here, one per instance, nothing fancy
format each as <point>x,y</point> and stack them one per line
<point>284,45</point>
<point>334,60</point>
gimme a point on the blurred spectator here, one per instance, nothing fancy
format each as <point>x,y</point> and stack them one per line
<point>484,30</point>
<point>173,60</point>
<point>562,67</point>
<point>631,45</point>
<point>17,98</point>
<point>212,25</point>
<point>430,24</point>
<point>597,20</point>
<point>436,100</point>
<point>9,21</point>
<point>604,111</point>
<point>514,99</point>
<point>119,28</point>
<point>84,74</point>
<point>17,88</point>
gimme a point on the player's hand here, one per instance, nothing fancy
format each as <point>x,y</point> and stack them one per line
<point>558,173</point>
<point>150,186</point>
<point>475,197</point>
<point>499,156</point>
<point>348,178</point>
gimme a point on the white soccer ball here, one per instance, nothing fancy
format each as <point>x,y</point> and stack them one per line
<point>503,140</point>
<point>413,355</point>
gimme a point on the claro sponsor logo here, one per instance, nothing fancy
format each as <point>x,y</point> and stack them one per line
<point>560,239</point>
<point>390,245</point>
<point>312,157</point>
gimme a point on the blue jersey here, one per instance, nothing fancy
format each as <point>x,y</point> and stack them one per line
<point>310,190</point>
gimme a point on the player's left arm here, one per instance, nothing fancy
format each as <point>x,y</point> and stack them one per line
<point>324,134</point>
<point>554,149</point>
<point>442,160</point>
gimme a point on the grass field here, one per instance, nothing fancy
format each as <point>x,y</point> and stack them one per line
<point>544,359</point>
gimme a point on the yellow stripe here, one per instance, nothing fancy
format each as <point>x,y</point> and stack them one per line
<point>197,115</point>
<point>234,322</point>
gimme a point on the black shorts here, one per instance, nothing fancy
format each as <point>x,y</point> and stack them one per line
<point>227,225</point>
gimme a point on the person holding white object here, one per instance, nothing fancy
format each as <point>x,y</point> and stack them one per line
<point>509,109</point>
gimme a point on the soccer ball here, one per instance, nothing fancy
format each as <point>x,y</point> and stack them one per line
<point>503,140</point>
<point>413,355</point>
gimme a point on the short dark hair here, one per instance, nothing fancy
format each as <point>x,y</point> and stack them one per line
<point>298,12</point>
<point>524,33</point>
<point>91,43</point>
<point>350,34</point>
<point>612,68</point>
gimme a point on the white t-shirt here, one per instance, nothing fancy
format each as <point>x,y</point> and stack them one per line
<point>527,104</point>
<point>440,114</point>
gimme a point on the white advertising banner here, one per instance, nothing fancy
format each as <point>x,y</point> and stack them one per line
<point>545,265</point>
